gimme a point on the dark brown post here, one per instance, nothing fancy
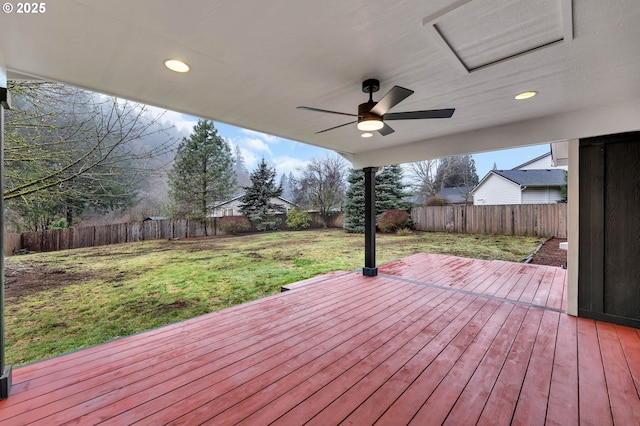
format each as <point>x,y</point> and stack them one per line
<point>370,268</point>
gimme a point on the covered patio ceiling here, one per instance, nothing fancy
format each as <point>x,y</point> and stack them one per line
<point>253,62</point>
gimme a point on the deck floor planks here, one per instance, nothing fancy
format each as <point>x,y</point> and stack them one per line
<point>203,369</point>
<point>406,372</point>
<point>437,407</point>
<point>261,392</point>
<point>404,408</point>
<point>501,404</point>
<point>473,398</point>
<point>438,339</point>
<point>563,391</point>
<point>353,367</point>
<point>191,354</point>
<point>625,405</point>
<point>357,385</point>
<point>533,400</point>
<point>593,397</point>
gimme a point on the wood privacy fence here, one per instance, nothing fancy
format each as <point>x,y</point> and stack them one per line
<point>541,220</point>
<point>91,236</point>
<point>544,220</point>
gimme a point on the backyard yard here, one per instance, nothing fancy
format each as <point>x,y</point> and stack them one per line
<point>63,301</point>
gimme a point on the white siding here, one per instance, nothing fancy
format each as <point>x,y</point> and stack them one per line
<point>545,163</point>
<point>547,195</point>
<point>497,190</point>
<point>232,208</point>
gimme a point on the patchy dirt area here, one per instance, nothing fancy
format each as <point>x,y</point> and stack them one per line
<point>551,254</point>
<point>31,277</point>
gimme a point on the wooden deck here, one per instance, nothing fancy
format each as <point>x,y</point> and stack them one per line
<point>431,340</point>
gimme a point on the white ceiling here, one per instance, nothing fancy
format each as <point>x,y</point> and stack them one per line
<point>253,62</point>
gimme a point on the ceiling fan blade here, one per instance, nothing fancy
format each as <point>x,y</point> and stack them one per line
<point>393,97</point>
<point>326,111</point>
<point>386,130</point>
<point>416,115</point>
<point>336,127</point>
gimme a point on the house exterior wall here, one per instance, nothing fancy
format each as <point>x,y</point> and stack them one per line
<point>497,190</point>
<point>543,195</point>
<point>232,208</point>
<point>544,163</point>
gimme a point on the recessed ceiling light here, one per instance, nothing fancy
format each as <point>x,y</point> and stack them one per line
<point>366,135</point>
<point>176,65</point>
<point>525,95</point>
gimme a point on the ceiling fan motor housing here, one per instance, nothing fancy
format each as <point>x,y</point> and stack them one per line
<point>371,85</point>
<point>364,111</point>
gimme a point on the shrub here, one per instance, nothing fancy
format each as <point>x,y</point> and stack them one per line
<point>234,224</point>
<point>297,219</point>
<point>434,200</point>
<point>403,232</point>
<point>392,220</point>
<point>58,224</point>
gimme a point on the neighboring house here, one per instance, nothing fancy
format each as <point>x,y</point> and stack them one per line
<point>232,207</point>
<point>544,162</point>
<point>150,218</point>
<point>520,187</point>
<point>457,195</point>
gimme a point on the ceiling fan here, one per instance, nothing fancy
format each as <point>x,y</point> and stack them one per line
<point>372,115</point>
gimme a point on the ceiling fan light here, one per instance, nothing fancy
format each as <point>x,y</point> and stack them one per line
<point>366,135</point>
<point>370,124</point>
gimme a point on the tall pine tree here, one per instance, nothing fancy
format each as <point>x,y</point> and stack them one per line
<point>256,202</point>
<point>390,195</point>
<point>353,207</point>
<point>202,172</point>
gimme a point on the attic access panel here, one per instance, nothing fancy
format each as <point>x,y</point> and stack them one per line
<point>480,33</point>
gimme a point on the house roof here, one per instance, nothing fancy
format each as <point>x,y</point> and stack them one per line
<point>253,62</point>
<point>541,177</point>
<point>222,203</point>
<point>523,165</point>
<point>459,194</point>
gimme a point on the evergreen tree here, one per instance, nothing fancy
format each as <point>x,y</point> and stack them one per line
<point>256,202</point>
<point>389,196</point>
<point>240,168</point>
<point>353,207</point>
<point>202,172</point>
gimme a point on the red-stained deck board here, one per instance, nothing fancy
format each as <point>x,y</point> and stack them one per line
<point>363,337</point>
<point>593,397</point>
<point>415,395</point>
<point>500,406</point>
<point>439,403</point>
<point>365,380</point>
<point>534,397</point>
<point>625,405</point>
<point>562,407</point>
<point>433,339</point>
<point>200,372</point>
<point>352,367</point>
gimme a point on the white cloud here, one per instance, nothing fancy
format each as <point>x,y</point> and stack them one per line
<point>254,144</point>
<point>184,123</point>
<point>286,164</point>
<point>262,136</point>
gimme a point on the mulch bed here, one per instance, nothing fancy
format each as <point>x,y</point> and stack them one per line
<point>551,254</point>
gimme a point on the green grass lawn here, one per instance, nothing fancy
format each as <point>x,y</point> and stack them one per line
<point>63,301</point>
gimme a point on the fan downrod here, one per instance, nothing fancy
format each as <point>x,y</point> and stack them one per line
<point>371,85</point>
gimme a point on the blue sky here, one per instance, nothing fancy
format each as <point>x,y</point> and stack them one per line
<point>288,156</point>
